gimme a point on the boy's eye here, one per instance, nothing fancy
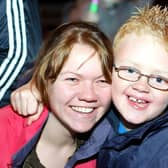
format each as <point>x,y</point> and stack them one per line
<point>160,80</point>
<point>131,70</point>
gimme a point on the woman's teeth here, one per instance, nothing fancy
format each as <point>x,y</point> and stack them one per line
<point>82,109</point>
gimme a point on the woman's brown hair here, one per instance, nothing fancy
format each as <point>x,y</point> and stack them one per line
<point>57,47</point>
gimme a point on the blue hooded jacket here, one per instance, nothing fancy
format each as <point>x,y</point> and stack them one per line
<point>144,147</point>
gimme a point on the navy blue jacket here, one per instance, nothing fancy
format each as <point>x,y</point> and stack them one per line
<point>144,147</point>
<point>20,40</point>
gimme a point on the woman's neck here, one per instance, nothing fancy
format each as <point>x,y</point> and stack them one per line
<point>56,140</point>
<point>56,133</point>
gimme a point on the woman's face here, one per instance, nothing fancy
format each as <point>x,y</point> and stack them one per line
<point>80,95</point>
<point>137,102</point>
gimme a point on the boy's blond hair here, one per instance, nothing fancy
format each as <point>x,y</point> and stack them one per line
<point>152,21</point>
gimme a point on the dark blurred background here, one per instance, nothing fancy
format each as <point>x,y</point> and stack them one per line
<point>53,13</point>
<point>111,15</point>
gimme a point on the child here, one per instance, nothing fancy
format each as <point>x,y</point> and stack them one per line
<point>140,93</point>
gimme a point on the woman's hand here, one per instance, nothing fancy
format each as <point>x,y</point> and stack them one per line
<point>26,101</point>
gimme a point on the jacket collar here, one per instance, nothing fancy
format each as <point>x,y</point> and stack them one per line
<point>93,144</point>
<point>138,134</point>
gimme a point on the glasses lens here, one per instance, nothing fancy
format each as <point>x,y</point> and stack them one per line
<point>133,75</point>
<point>128,73</point>
<point>158,82</point>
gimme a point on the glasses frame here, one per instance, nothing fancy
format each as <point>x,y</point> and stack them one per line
<point>117,69</point>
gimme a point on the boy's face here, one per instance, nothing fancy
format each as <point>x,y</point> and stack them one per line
<point>138,102</point>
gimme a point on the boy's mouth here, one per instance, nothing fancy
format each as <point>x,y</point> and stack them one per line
<point>140,101</point>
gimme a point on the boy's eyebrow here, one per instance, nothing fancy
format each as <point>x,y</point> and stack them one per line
<point>86,60</point>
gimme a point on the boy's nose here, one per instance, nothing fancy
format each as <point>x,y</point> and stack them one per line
<point>141,85</point>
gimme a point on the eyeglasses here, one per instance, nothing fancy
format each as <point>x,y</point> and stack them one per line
<point>132,74</point>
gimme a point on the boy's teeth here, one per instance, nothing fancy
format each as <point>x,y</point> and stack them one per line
<point>82,109</point>
<point>140,101</point>
<point>136,100</point>
<point>133,99</point>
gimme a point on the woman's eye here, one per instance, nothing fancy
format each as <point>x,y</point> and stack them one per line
<point>72,79</point>
<point>102,83</point>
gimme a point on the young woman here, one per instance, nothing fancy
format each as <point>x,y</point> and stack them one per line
<point>73,77</point>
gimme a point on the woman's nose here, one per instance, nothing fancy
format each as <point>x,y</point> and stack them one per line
<point>88,93</point>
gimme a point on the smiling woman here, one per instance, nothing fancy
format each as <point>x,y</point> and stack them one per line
<point>73,76</point>
<point>79,96</point>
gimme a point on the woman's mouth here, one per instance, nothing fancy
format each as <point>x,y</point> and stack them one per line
<point>82,109</point>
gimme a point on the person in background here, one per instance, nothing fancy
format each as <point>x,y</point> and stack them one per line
<point>20,40</point>
<point>109,15</point>
<point>73,77</point>
<point>140,93</point>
